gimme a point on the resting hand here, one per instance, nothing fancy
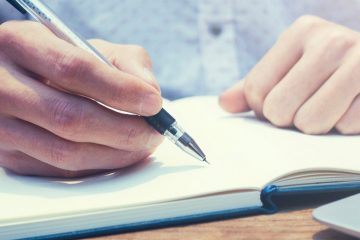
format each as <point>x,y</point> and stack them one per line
<point>309,79</point>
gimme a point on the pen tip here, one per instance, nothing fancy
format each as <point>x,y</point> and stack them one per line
<point>206,161</point>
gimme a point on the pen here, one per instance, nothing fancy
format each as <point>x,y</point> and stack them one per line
<point>163,122</point>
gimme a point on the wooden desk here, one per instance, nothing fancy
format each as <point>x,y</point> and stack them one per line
<point>290,225</point>
<point>293,222</point>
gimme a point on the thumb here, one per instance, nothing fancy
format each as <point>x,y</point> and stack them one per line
<point>233,100</point>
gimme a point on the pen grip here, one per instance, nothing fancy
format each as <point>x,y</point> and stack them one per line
<point>160,121</point>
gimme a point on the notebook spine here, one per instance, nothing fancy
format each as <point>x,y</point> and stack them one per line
<point>268,193</point>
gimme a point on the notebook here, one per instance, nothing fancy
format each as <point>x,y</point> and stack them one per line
<point>342,215</point>
<point>251,161</point>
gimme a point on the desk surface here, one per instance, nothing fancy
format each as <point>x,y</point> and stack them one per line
<point>293,221</point>
<point>292,225</point>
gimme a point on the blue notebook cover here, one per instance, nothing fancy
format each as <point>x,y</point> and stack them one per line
<point>269,207</point>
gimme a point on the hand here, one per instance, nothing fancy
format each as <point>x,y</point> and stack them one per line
<point>309,79</point>
<point>48,124</point>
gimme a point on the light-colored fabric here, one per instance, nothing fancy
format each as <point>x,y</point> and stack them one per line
<point>198,46</point>
<point>8,12</point>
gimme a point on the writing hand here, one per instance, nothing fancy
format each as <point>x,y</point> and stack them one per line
<point>50,124</point>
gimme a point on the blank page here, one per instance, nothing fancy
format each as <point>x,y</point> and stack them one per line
<point>258,151</point>
<point>168,175</point>
<point>244,154</point>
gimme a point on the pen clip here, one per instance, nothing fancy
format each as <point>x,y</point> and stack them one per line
<point>17,6</point>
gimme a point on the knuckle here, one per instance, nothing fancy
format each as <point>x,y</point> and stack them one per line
<point>136,135</point>
<point>67,117</point>
<point>352,60</point>
<point>131,137</point>
<point>71,65</point>
<point>341,40</point>
<point>308,22</point>
<point>337,42</point>
<point>61,155</point>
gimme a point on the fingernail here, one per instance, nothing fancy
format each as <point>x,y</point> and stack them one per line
<point>151,104</point>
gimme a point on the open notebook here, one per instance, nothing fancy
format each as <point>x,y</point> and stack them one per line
<point>250,162</point>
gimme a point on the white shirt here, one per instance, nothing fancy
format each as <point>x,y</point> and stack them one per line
<point>197,46</point>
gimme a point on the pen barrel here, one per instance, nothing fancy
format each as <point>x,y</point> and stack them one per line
<point>161,121</point>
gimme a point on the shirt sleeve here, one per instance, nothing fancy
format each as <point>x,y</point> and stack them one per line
<point>8,12</point>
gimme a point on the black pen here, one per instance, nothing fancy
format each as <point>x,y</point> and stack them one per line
<point>163,122</point>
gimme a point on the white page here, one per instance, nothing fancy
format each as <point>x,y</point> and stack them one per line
<point>264,152</point>
<point>170,174</point>
<point>244,154</point>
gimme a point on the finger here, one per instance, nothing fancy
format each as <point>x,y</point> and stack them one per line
<point>305,78</point>
<point>233,100</point>
<point>23,164</point>
<point>76,70</point>
<point>60,153</point>
<point>73,117</point>
<point>324,109</point>
<point>128,58</point>
<point>349,123</point>
<point>271,69</point>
